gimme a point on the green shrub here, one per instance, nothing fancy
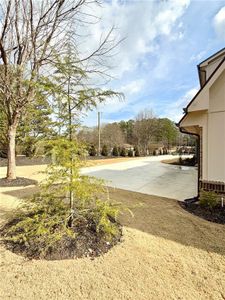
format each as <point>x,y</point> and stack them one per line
<point>92,151</point>
<point>29,146</point>
<point>136,150</point>
<point>104,150</point>
<point>123,152</point>
<point>180,161</point>
<point>115,151</point>
<point>38,226</point>
<point>130,153</point>
<point>165,151</point>
<point>208,199</point>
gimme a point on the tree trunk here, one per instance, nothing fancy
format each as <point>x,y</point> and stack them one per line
<point>11,166</point>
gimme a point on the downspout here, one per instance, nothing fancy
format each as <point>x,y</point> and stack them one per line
<point>196,198</point>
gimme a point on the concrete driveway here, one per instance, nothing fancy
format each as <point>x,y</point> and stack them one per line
<point>149,175</point>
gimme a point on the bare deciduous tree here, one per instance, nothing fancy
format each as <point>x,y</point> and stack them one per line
<point>112,135</point>
<point>145,128</point>
<point>32,35</point>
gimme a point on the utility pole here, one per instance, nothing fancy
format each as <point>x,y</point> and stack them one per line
<point>99,134</point>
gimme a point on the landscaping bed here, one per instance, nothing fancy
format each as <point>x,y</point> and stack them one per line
<point>19,181</point>
<point>86,242</point>
<point>216,214</point>
<point>189,161</point>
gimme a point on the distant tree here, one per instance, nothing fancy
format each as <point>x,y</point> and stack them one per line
<point>128,130</point>
<point>92,151</point>
<point>115,151</point>
<point>104,150</point>
<point>136,151</point>
<point>145,129</point>
<point>88,135</point>
<point>165,151</point>
<point>130,153</point>
<point>123,152</point>
<point>167,132</point>
<point>112,134</point>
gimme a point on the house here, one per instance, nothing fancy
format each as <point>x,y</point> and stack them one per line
<point>205,118</point>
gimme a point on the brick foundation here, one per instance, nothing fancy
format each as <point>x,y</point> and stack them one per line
<point>216,186</point>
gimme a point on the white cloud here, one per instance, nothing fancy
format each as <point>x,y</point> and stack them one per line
<point>129,90</point>
<point>199,56</point>
<point>144,25</point>
<point>140,23</point>
<point>219,23</point>
<point>132,87</point>
<point>175,109</point>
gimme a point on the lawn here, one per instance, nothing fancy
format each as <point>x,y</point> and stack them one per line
<point>166,253</point>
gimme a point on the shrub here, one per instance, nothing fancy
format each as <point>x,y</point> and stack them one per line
<point>137,153</point>
<point>115,151</point>
<point>29,146</point>
<point>104,150</point>
<point>208,199</point>
<point>130,153</point>
<point>92,151</point>
<point>123,152</point>
<point>3,153</point>
<point>165,151</point>
<point>190,161</point>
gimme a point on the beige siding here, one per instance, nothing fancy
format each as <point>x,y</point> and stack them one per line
<point>197,118</point>
<point>217,94</point>
<point>216,130</point>
<point>201,102</point>
<point>216,146</point>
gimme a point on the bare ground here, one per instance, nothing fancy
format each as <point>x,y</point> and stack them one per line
<point>166,253</point>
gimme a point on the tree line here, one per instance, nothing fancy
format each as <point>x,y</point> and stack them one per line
<point>145,134</point>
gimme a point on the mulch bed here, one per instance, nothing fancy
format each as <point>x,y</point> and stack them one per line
<point>188,162</point>
<point>87,243</point>
<point>19,181</point>
<point>26,161</point>
<point>216,215</point>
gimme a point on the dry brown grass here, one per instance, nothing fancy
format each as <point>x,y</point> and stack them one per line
<point>167,253</point>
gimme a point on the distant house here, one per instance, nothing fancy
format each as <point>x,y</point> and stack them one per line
<point>205,118</point>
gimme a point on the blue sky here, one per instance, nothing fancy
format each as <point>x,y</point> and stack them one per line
<point>155,66</point>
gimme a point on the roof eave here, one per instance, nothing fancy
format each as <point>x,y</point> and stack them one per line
<point>207,81</point>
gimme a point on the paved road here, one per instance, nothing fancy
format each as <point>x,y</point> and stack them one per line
<point>148,175</point>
